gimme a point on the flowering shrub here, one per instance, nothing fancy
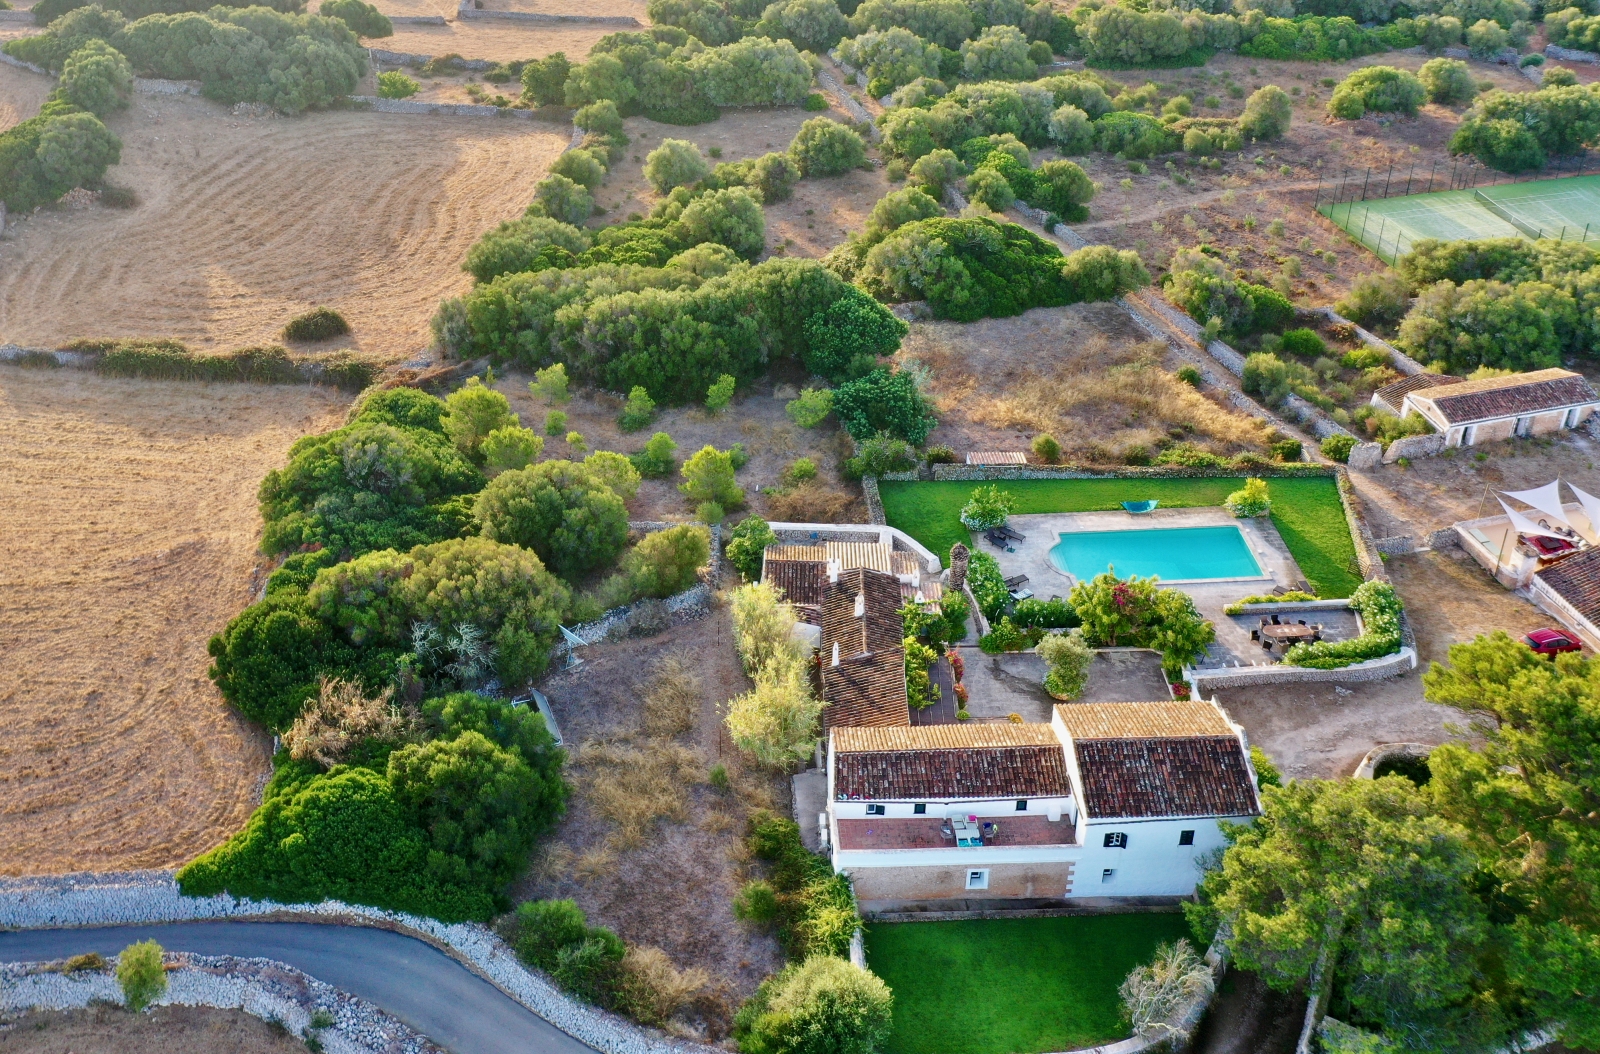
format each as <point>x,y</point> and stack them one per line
<point>1251,500</point>
<point>988,507</point>
<point>1379,609</point>
<point>988,585</point>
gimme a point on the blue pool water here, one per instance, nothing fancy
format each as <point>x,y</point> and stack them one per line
<point>1173,554</point>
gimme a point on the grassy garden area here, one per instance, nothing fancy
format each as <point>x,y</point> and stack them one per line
<point>1009,986</point>
<point>1306,512</point>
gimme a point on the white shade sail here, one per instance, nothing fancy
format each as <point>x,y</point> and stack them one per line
<point>1547,499</point>
<point>1591,509</point>
<point>1522,525</point>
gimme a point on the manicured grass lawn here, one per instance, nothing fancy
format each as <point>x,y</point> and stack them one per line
<point>1012,986</point>
<point>1306,512</point>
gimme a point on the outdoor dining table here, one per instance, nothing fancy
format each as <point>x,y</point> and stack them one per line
<point>1289,632</point>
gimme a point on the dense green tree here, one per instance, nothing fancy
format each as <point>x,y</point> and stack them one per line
<point>1526,800</point>
<point>558,509</point>
<point>944,22</point>
<point>813,25</point>
<point>97,78</point>
<point>667,562</point>
<point>891,58</point>
<point>1377,89</point>
<point>999,53</point>
<point>675,163</point>
<point>824,1005</point>
<point>824,147</point>
<point>1267,113</point>
<point>531,243</point>
<point>846,339</point>
<point>472,412</point>
<point>703,19</point>
<point>747,544</point>
<point>363,19</point>
<point>883,401</point>
<point>562,200</point>
<point>582,167</point>
<point>709,476</point>
<point>544,83</point>
<point>730,217</point>
<point>1447,81</point>
<point>1489,324</point>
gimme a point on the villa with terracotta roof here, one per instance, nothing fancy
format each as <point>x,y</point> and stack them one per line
<point>1108,800</point>
<point>1482,411</point>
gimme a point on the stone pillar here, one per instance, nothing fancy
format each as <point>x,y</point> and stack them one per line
<point>958,566</point>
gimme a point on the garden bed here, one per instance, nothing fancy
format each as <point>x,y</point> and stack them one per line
<point>1012,986</point>
<point>1306,512</point>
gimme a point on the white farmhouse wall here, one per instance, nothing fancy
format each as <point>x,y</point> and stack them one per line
<point>1153,864</point>
<point>995,808</point>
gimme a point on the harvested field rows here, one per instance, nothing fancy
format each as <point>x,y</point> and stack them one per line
<point>500,41</point>
<point>129,514</point>
<point>243,223</point>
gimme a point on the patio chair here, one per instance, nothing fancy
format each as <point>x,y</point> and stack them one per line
<point>1266,646</point>
<point>1275,621</point>
<point>1301,621</point>
<point>1012,533</point>
<point>1255,634</point>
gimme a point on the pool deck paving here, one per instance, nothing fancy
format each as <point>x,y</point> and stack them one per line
<point>1031,557</point>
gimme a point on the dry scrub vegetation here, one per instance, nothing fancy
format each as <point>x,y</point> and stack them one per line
<point>129,517</point>
<point>651,845</point>
<point>109,1029</point>
<point>1081,373</point>
<point>243,223</point>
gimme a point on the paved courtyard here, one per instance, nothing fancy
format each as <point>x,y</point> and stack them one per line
<point>1013,683</point>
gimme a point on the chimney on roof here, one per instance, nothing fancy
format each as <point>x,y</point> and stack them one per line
<point>833,571</point>
<point>836,653</point>
<point>920,598</point>
<point>861,604</point>
<point>916,578</point>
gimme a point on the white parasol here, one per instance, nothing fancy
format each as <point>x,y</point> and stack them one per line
<point>1591,509</point>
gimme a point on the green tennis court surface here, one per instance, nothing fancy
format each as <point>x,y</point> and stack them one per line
<point>1568,209</point>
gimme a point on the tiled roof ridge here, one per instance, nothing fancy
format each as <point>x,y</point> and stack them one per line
<point>1516,380</point>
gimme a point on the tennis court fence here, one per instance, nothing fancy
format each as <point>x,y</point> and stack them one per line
<point>1464,173</point>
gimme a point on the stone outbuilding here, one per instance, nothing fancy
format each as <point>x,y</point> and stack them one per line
<point>1495,408</point>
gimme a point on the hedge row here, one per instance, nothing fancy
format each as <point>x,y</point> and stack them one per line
<point>264,364</point>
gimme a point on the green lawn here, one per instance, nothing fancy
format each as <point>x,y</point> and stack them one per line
<point>1012,986</point>
<point>1306,512</point>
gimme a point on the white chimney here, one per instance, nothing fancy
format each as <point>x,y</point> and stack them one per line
<point>834,567</point>
<point>920,598</point>
<point>836,653</point>
<point>916,578</point>
<point>1053,812</point>
<point>861,604</point>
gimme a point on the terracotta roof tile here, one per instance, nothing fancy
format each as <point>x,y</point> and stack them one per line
<point>997,457</point>
<point>853,555</point>
<point>1395,393</point>
<point>944,737</point>
<point>1142,778</point>
<point>1522,393</point>
<point>1142,720</point>
<point>1576,580</point>
<point>904,563</point>
<point>974,772</point>
<point>878,628</point>
<point>868,687</point>
<point>802,581</point>
<point>797,552</point>
<point>865,690</point>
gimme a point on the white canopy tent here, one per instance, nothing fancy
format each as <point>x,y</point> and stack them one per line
<point>1591,509</point>
<point>1522,525</point>
<point>1547,499</point>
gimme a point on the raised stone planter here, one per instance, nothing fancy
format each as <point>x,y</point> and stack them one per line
<point>1380,669</point>
<point>1378,755</point>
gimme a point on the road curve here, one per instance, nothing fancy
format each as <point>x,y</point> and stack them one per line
<point>405,977</point>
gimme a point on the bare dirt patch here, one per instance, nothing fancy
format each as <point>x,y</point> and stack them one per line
<point>672,888</point>
<point>130,520</point>
<point>1085,373</point>
<point>243,223</point>
<point>21,95</point>
<point>1450,599</point>
<point>756,419</point>
<point>163,1030</point>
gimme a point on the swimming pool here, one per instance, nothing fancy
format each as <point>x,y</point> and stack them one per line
<point>1173,554</point>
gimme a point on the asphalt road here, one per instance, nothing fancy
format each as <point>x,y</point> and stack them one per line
<point>406,977</point>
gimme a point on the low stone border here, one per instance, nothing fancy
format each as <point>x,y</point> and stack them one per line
<point>419,20</point>
<point>263,988</point>
<point>133,897</point>
<point>690,605</point>
<point>1569,55</point>
<point>831,85</point>
<point>1379,669</point>
<point>444,109</point>
<point>12,61</point>
<point>467,9</point>
<point>161,86</point>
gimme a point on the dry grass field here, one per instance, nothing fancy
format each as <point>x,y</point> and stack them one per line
<point>1083,373</point>
<point>130,524</point>
<point>164,1030</point>
<point>242,223</point>
<point>490,38</point>
<point>21,95</point>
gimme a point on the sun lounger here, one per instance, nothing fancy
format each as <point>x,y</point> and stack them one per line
<point>1015,580</point>
<point>1011,533</point>
<point>1139,508</point>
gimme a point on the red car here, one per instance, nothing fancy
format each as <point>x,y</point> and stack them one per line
<point>1552,641</point>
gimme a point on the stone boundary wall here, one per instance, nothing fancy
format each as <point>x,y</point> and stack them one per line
<point>1429,445</point>
<point>418,20</point>
<point>161,86</point>
<point>1368,562</point>
<point>262,988</point>
<point>12,61</point>
<point>406,58</point>
<point>691,605</point>
<point>1400,360</point>
<point>1294,605</point>
<point>16,16</point>
<point>1569,55</point>
<point>869,488</point>
<point>1379,669</point>
<point>467,10</point>
<point>830,84</point>
<point>88,899</point>
<point>446,109</point>
<point>955,473</point>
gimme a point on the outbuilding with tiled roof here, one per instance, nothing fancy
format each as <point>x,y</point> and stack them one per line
<point>1494,408</point>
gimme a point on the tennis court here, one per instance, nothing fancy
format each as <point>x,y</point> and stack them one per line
<point>1567,208</point>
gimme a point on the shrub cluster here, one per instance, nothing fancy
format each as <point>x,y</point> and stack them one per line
<point>1137,612</point>
<point>660,74</point>
<point>987,584</point>
<point>1520,131</point>
<point>1377,89</point>
<point>363,19</point>
<point>1379,607</point>
<point>1507,303</point>
<point>555,936</point>
<point>667,329</point>
<point>67,145</point>
<point>292,62</point>
<point>1207,289</point>
<point>434,827</point>
<point>265,364</point>
<point>813,908</point>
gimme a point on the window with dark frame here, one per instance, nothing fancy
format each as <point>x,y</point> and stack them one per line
<point>1105,876</point>
<point>1116,840</point>
<point>920,808</point>
<point>875,810</point>
<point>1185,837</point>
<point>1022,806</point>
